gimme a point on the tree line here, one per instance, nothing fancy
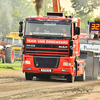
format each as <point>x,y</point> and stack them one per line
<point>12,11</point>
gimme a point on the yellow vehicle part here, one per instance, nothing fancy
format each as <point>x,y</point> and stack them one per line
<point>14,35</point>
<point>97,19</point>
<point>17,49</point>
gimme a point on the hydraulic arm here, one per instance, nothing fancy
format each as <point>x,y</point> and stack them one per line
<point>56,6</point>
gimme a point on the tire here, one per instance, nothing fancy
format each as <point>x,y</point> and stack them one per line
<point>14,58</point>
<point>28,76</point>
<point>10,54</point>
<point>82,77</point>
<point>70,78</point>
<point>84,74</point>
<point>3,59</point>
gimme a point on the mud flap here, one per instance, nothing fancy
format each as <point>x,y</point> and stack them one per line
<point>81,70</point>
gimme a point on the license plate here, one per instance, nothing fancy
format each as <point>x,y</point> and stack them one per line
<point>46,70</point>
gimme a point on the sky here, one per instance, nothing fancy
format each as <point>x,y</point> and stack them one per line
<point>67,5</point>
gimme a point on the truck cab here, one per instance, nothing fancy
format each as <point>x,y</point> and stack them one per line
<point>51,46</point>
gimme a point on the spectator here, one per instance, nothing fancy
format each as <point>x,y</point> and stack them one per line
<point>64,32</point>
<point>98,34</point>
<point>95,36</point>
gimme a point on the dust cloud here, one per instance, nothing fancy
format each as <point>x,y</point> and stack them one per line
<point>6,10</point>
<point>38,5</point>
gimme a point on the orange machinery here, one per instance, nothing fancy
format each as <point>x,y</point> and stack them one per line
<point>56,6</point>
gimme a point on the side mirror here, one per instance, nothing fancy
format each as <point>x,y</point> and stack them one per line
<point>20,28</point>
<point>77,31</point>
<point>20,34</point>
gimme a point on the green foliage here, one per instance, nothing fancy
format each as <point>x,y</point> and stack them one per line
<point>69,13</point>
<point>83,7</point>
<point>10,66</point>
<point>84,18</point>
<point>12,11</point>
<point>46,7</point>
<point>84,10</point>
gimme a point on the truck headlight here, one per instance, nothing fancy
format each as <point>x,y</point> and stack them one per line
<point>26,62</point>
<point>66,63</point>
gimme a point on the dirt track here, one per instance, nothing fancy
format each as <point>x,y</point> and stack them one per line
<point>13,86</point>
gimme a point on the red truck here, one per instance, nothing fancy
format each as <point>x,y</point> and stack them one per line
<point>52,47</point>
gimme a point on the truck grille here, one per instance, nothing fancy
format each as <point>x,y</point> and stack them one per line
<point>46,49</point>
<point>46,62</point>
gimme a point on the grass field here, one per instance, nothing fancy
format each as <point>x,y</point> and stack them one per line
<point>10,66</point>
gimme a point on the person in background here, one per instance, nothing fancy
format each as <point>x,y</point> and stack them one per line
<point>64,31</point>
<point>75,37</point>
<point>97,35</point>
<point>21,55</point>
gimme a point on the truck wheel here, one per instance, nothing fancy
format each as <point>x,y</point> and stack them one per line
<point>10,54</point>
<point>3,59</point>
<point>83,77</point>
<point>28,76</point>
<point>14,58</point>
<point>70,78</point>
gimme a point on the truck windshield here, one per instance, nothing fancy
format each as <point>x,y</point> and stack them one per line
<point>14,41</point>
<point>9,40</point>
<point>18,42</point>
<point>48,29</point>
